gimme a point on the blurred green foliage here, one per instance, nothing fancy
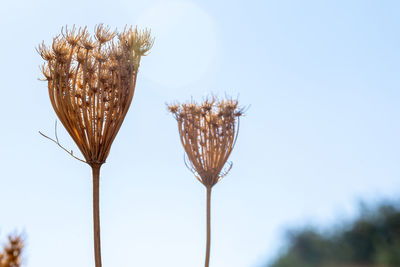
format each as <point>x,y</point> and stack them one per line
<point>371,240</point>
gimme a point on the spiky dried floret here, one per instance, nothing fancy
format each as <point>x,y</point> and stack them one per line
<point>208,133</point>
<point>11,255</point>
<point>104,33</point>
<point>71,36</point>
<point>91,83</point>
<point>140,42</point>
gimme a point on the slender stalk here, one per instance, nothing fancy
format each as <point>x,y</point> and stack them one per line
<point>96,214</point>
<point>207,133</point>
<point>208,226</point>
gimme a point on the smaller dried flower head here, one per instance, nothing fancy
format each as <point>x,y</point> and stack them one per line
<point>208,133</point>
<point>11,256</point>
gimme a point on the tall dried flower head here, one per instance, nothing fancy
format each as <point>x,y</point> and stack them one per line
<point>11,255</point>
<point>208,133</point>
<point>91,83</point>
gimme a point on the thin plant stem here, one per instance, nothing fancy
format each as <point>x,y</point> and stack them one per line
<point>96,214</point>
<point>208,134</point>
<point>91,83</point>
<point>208,246</point>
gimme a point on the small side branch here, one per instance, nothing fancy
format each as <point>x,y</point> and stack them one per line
<point>70,152</point>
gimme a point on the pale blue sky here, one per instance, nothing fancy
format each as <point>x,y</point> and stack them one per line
<point>322,131</point>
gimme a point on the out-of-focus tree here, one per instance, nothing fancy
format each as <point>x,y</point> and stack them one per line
<point>372,240</point>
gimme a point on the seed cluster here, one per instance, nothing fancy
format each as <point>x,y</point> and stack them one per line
<point>11,256</point>
<point>208,133</point>
<point>91,83</point>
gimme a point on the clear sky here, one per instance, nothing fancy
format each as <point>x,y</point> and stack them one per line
<point>322,131</point>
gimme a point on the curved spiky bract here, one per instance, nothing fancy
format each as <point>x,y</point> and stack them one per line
<point>91,83</point>
<point>208,132</point>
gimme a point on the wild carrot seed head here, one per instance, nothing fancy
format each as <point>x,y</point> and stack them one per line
<point>208,132</point>
<point>11,255</point>
<point>91,82</point>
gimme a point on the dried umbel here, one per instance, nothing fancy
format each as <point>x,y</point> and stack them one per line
<point>91,82</point>
<point>208,133</point>
<point>11,255</point>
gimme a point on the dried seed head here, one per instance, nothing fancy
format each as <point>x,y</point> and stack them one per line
<point>61,50</point>
<point>91,85</point>
<point>45,53</point>
<point>137,42</point>
<point>81,56</point>
<point>208,133</point>
<point>46,72</point>
<point>71,36</point>
<point>104,34</point>
<point>86,40</point>
<point>173,109</point>
<point>100,56</point>
<point>116,52</point>
<point>11,255</point>
<point>90,66</point>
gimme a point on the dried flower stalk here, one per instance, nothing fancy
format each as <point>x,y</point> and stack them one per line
<point>208,133</point>
<point>91,83</point>
<point>11,255</point>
